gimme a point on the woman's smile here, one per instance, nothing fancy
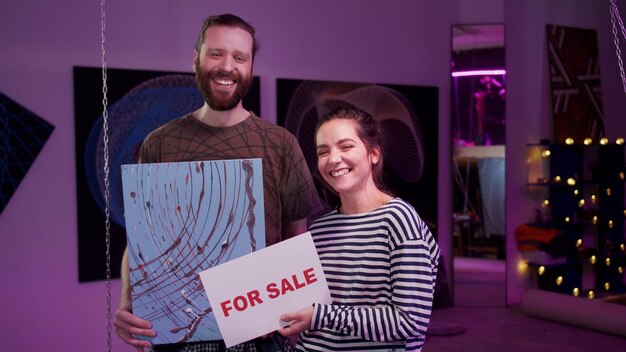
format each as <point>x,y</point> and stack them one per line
<point>340,172</point>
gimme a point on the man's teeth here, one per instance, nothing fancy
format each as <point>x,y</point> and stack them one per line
<point>224,82</point>
<point>339,172</point>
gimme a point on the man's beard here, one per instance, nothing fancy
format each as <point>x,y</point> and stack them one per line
<point>218,101</point>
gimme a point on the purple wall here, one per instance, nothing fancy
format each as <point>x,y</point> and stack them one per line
<point>43,306</point>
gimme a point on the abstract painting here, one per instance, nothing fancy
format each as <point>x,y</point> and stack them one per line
<point>139,102</point>
<point>407,116</point>
<point>22,136</point>
<point>575,82</point>
<point>181,219</point>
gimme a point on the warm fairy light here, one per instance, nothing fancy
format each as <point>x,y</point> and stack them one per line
<point>567,219</point>
<point>621,175</point>
<point>608,192</point>
<point>588,141</point>
<point>559,281</point>
<point>610,224</point>
<point>607,286</point>
<point>569,140</point>
<point>621,246</point>
<point>581,203</point>
<point>579,242</point>
<point>592,260</point>
<point>576,292</point>
<point>591,294</point>
<point>571,181</point>
<point>595,220</point>
<point>546,202</point>
<point>620,140</point>
<point>522,267</point>
<point>541,270</point>
<point>620,269</point>
<point>604,140</point>
<point>607,261</point>
<point>594,198</point>
<point>545,153</point>
<point>557,179</point>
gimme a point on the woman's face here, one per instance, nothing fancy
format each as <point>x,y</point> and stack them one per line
<point>342,158</point>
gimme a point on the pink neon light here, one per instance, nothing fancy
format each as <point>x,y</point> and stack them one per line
<point>478,73</point>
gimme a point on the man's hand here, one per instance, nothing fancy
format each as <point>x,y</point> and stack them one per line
<point>298,321</point>
<point>128,326</point>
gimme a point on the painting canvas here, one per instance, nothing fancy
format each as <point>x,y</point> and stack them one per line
<point>408,119</point>
<point>181,219</point>
<point>139,102</point>
<point>22,136</point>
<point>575,82</point>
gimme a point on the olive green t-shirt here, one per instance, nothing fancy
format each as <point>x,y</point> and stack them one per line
<point>289,192</point>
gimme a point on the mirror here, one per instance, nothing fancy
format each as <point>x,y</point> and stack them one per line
<point>478,127</point>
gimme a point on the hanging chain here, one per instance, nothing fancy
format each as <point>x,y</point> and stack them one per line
<point>617,19</point>
<point>105,133</point>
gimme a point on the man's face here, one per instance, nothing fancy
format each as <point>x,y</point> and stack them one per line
<point>224,67</point>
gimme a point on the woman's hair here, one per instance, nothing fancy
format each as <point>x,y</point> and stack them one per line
<point>369,133</point>
<point>227,20</point>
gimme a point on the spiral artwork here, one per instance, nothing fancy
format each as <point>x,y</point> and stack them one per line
<point>183,218</point>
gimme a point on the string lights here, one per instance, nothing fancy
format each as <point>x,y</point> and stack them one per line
<point>591,191</point>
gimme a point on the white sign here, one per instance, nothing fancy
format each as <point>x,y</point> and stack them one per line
<point>256,289</point>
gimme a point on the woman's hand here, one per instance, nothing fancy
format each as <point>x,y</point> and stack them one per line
<point>298,321</point>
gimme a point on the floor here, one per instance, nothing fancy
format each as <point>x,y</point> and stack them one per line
<point>479,320</point>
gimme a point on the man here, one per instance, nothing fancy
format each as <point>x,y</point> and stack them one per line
<point>223,129</point>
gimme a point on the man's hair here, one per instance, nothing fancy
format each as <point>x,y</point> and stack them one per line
<point>227,20</point>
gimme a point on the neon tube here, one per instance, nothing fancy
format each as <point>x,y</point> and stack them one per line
<point>478,73</point>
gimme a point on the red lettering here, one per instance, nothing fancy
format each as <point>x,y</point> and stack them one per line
<point>240,303</point>
<point>296,283</point>
<point>253,297</point>
<point>226,307</point>
<point>309,276</point>
<point>290,284</point>
<point>272,290</point>
<point>286,286</point>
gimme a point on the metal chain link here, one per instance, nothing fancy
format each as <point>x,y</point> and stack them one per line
<point>619,19</point>
<point>105,133</point>
<point>616,18</point>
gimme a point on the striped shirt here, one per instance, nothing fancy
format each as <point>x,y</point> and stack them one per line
<point>381,268</point>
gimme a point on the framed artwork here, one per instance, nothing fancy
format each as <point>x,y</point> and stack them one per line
<point>575,82</point>
<point>406,114</point>
<point>22,136</point>
<point>139,102</point>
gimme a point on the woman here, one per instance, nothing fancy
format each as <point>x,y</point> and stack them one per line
<point>379,257</point>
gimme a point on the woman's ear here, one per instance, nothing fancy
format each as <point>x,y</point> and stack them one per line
<point>375,155</point>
